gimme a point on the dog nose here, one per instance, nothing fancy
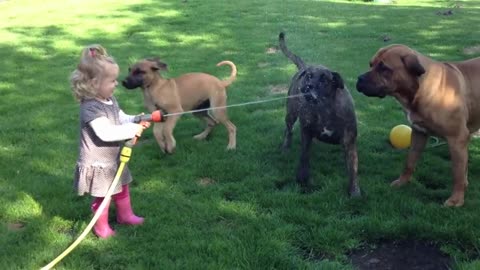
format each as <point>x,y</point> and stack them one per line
<point>360,82</point>
<point>361,79</point>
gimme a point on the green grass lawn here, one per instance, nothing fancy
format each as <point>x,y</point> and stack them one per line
<point>207,208</point>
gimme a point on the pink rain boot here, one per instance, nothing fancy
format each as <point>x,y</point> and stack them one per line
<point>125,213</point>
<point>102,228</point>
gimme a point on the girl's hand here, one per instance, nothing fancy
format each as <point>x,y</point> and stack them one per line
<point>141,127</point>
<point>145,124</point>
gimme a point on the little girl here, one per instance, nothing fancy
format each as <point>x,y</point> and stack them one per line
<point>103,127</point>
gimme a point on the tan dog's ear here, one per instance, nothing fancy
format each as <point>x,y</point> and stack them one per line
<point>157,64</point>
<point>413,65</point>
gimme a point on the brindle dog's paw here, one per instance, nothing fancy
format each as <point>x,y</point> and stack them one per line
<point>306,188</point>
<point>286,144</point>
<point>355,193</point>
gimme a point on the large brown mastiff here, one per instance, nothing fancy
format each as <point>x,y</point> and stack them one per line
<point>439,98</point>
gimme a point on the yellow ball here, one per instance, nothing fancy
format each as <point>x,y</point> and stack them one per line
<point>401,136</point>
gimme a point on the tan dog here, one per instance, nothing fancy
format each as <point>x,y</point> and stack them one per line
<point>191,91</point>
<point>439,98</point>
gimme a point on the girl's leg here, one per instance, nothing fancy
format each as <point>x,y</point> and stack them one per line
<point>125,213</point>
<point>101,228</point>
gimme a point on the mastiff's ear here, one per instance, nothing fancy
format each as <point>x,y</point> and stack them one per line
<point>413,65</point>
<point>157,64</point>
<point>338,81</point>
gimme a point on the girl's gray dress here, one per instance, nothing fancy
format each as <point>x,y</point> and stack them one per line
<point>98,161</point>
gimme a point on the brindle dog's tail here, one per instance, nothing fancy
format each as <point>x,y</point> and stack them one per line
<point>295,59</point>
<point>233,74</point>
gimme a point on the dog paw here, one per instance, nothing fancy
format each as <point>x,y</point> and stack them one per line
<point>306,189</point>
<point>355,193</point>
<point>161,144</point>
<point>169,150</point>
<point>231,147</point>
<point>453,202</point>
<point>398,183</point>
<point>286,144</point>
<point>284,148</point>
<point>200,137</point>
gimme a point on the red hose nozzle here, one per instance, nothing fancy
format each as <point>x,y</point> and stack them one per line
<point>155,116</point>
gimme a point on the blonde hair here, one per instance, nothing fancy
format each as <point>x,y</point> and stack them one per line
<point>92,65</point>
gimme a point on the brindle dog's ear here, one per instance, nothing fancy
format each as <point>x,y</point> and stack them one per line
<point>302,74</point>
<point>338,81</point>
<point>158,64</point>
<point>413,65</point>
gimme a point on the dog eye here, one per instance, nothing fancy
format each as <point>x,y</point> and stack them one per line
<point>323,78</point>
<point>382,67</point>
<point>138,72</point>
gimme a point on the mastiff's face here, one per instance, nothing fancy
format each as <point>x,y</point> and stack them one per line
<point>143,72</point>
<point>394,70</point>
<point>319,84</point>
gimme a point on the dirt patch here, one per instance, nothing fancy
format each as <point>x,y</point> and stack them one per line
<point>401,255</point>
<point>16,226</point>
<point>272,50</point>
<point>278,89</point>
<point>445,13</point>
<point>230,52</point>
<point>472,50</point>
<point>205,181</point>
<point>385,38</point>
<point>262,64</point>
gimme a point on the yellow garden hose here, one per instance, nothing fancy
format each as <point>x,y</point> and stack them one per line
<point>125,154</point>
<point>124,158</point>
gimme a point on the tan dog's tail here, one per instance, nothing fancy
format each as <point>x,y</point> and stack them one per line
<point>233,75</point>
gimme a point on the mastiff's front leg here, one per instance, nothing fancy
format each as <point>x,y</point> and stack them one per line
<point>419,140</point>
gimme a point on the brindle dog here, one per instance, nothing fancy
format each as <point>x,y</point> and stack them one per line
<point>326,112</point>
